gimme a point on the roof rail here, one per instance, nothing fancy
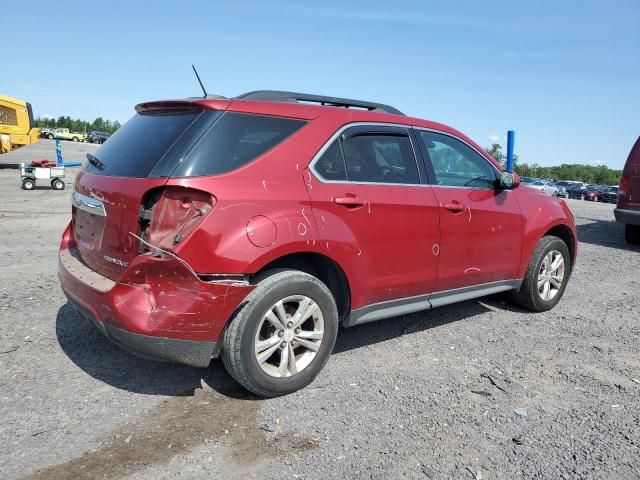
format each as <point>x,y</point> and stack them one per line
<point>278,96</point>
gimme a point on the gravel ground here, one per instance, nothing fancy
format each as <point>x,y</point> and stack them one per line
<point>475,390</point>
<point>45,149</point>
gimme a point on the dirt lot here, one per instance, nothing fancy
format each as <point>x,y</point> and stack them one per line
<point>475,390</point>
<point>46,150</point>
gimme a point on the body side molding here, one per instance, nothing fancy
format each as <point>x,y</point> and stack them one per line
<point>403,306</point>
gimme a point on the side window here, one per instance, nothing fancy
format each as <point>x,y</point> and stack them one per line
<point>380,158</point>
<point>330,165</point>
<point>456,164</point>
<point>235,140</point>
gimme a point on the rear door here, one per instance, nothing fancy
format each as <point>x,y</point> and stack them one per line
<point>375,213</point>
<point>480,227</point>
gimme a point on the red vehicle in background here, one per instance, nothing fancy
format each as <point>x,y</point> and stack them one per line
<point>252,228</point>
<point>594,193</point>
<point>628,208</point>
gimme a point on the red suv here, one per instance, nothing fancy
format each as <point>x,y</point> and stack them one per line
<point>252,228</point>
<point>628,208</point>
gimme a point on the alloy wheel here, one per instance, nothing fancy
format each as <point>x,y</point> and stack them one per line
<point>551,275</point>
<point>289,336</point>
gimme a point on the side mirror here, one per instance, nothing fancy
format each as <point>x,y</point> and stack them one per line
<point>508,181</point>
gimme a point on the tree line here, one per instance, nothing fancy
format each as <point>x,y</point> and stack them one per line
<point>599,175</point>
<point>77,125</point>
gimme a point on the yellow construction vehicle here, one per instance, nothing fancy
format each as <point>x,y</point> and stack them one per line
<point>16,124</point>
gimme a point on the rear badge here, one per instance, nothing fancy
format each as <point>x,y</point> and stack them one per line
<point>120,263</point>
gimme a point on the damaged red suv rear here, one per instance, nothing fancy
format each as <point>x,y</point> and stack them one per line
<point>252,228</point>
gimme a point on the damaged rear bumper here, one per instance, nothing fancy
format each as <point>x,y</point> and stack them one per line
<point>158,309</point>
<point>188,352</point>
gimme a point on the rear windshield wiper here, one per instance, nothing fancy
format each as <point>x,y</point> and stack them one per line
<point>95,162</point>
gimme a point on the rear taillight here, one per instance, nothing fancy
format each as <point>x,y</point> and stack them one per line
<point>171,214</point>
<point>624,185</point>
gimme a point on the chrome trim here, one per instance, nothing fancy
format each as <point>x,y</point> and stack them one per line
<point>88,204</point>
<point>327,144</point>
<point>403,306</point>
<point>418,158</point>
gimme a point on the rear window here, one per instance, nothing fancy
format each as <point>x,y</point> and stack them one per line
<point>136,147</point>
<point>234,140</point>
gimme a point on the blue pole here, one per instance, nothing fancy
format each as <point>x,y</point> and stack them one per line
<point>59,153</point>
<point>510,139</point>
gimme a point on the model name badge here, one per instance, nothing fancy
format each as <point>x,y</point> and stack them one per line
<point>109,259</point>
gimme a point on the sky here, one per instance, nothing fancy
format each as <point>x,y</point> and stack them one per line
<point>564,74</point>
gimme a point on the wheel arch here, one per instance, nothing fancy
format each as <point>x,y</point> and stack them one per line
<point>565,234</point>
<point>323,268</point>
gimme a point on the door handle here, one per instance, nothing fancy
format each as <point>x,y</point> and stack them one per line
<point>454,207</point>
<point>349,201</point>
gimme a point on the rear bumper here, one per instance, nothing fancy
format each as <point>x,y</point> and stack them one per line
<point>188,352</point>
<point>627,216</point>
<point>158,309</point>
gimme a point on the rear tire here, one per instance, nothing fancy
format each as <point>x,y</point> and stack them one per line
<point>529,295</point>
<point>28,184</point>
<point>50,136</point>
<point>57,184</point>
<point>632,234</point>
<point>240,351</point>
<point>74,139</point>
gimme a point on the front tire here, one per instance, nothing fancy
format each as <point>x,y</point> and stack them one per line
<point>283,335</point>
<point>547,276</point>
<point>50,136</point>
<point>28,184</point>
<point>632,234</point>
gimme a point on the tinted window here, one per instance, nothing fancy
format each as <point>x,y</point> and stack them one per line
<point>456,164</point>
<point>330,165</point>
<point>140,143</point>
<point>380,158</point>
<point>235,140</point>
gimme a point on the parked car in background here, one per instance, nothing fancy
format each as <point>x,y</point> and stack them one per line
<point>576,190</point>
<point>45,131</point>
<point>65,134</point>
<point>628,209</point>
<point>254,227</point>
<point>97,137</point>
<point>545,187</point>
<point>593,193</point>
<point>562,186</point>
<point>610,195</point>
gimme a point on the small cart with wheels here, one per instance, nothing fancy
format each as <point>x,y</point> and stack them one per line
<point>32,173</point>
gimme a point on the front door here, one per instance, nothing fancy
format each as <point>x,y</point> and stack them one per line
<point>480,227</point>
<point>375,213</point>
